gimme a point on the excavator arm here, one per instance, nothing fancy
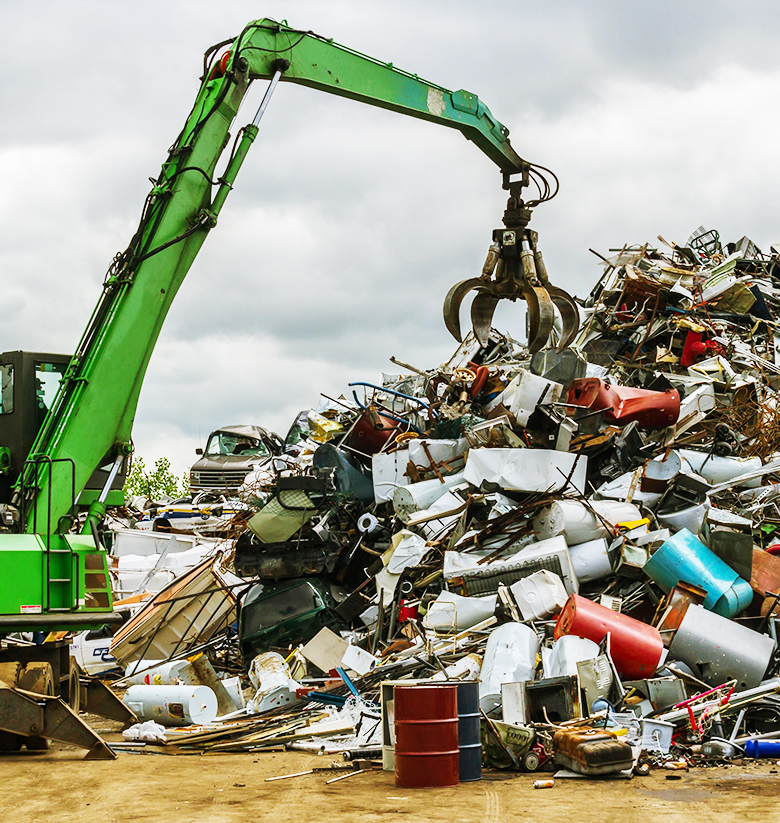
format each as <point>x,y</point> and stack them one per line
<point>89,424</point>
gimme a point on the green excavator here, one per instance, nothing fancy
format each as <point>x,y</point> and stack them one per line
<point>53,564</point>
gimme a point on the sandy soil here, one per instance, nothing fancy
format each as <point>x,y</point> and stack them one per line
<point>58,785</point>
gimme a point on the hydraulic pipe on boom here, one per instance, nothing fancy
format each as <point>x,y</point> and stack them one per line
<point>90,421</point>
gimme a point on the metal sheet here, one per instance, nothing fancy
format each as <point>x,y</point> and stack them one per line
<point>721,649</point>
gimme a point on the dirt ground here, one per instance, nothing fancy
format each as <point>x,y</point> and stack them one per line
<point>57,785</point>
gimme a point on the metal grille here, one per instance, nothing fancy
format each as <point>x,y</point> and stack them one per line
<point>218,480</point>
<point>486,581</point>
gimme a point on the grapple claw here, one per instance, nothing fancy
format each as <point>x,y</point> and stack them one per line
<point>452,304</point>
<point>514,269</point>
<point>482,310</point>
<point>541,316</point>
<point>570,315</point>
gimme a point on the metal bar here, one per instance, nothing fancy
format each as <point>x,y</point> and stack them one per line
<point>267,97</point>
<point>345,776</point>
<point>111,477</point>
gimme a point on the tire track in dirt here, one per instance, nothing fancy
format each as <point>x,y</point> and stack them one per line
<point>492,807</point>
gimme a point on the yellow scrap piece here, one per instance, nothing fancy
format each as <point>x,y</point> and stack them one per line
<point>683,322</point>
<point>628,525</point>
<point>323,429</point>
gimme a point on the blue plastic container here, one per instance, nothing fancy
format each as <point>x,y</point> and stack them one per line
<point>763,748</point>
<point>685,558</point>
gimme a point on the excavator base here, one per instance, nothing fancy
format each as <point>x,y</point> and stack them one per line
<point>31,713</point>
<point>33,716</point>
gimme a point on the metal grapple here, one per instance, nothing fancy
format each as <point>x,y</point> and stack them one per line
<point>514,269</point>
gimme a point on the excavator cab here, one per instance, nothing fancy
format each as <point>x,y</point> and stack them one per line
<point>28,384</point>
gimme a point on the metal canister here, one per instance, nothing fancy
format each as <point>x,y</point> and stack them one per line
<point>685,557</point>
<point>719,649</point>
<point>427,753</point>
<point>635,647</point>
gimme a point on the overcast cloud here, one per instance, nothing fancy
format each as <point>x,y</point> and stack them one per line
<point>348,224</point>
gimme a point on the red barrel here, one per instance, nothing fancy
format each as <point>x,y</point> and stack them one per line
<point>635,647</point>
<point>427,752</point>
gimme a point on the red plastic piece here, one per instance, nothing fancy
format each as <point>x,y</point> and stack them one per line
<point>695,346</point>
<point>406,612</point>
<point>479,381</point>
<point>635,647</point>
<point>427,753</point>
<point>650,409</point>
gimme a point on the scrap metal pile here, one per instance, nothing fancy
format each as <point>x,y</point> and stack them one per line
<point>588,533</point>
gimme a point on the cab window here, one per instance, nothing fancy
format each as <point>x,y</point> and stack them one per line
<point>47,381</point>
<point>6,389</point>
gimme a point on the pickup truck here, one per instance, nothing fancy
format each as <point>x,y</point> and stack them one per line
<point>231,453</point>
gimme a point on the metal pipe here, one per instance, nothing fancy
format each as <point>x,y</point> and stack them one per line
<point>267,97</point>
<point>111,477</point>
<point>391,391</point>
<point>87,619</point>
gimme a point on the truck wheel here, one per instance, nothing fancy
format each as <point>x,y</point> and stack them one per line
<point>10,742</point>
<point>38,678</point>
<point>74,686</point>
<point>9,672</point>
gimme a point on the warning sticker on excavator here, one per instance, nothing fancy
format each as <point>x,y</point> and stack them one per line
<point>30,609</point>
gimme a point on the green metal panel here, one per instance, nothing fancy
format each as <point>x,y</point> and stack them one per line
<point>21,560</point>
<point>116,497</point>
<point>24,589</point>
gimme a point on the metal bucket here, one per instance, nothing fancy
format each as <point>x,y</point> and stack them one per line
<point>426,736</point>
<point>469,736</point>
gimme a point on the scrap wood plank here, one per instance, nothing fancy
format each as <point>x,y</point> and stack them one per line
<point>252,731</point>
<point>232,730</point>
<point>346,728</point>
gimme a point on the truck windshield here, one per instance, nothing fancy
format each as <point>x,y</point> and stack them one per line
<point>227,443</point>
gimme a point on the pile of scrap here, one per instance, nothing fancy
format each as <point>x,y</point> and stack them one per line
<point>589,535</point>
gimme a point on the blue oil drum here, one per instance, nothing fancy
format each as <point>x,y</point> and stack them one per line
<point>469,740</point>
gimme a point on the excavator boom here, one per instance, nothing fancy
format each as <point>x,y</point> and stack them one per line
<point>90,421</point>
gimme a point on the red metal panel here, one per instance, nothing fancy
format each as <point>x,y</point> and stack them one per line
<point>651,409</point>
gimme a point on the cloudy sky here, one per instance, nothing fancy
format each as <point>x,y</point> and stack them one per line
<point>348,224</point>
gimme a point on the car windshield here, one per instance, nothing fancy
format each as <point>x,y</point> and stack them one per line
<point>285,605</point>
<point>237,444</point>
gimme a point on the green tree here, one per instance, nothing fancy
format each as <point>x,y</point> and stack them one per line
<point>155,483</point>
